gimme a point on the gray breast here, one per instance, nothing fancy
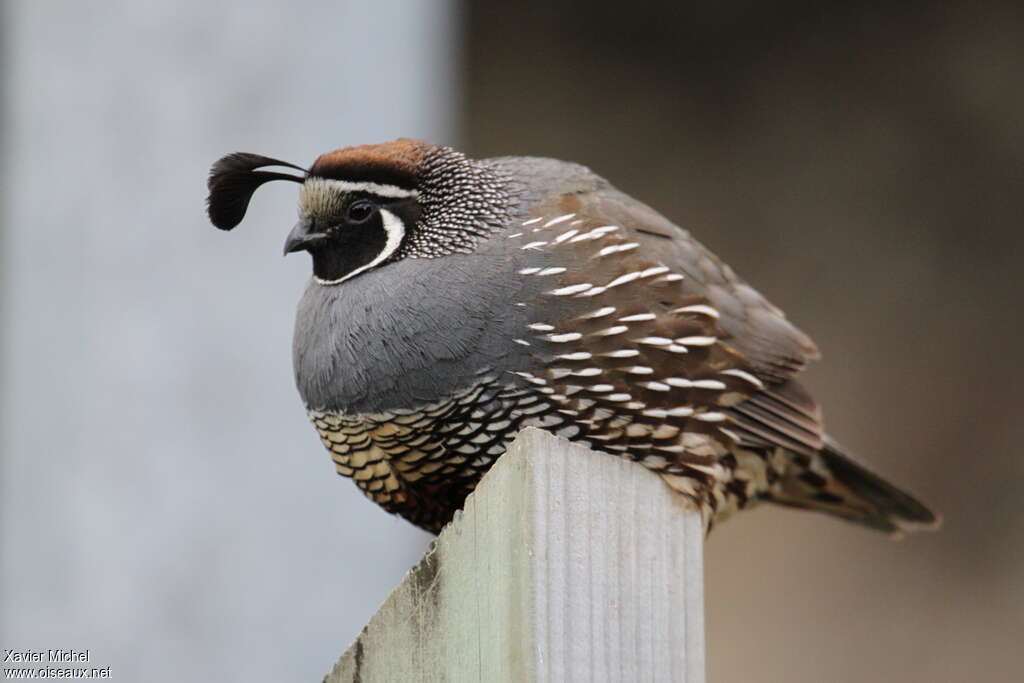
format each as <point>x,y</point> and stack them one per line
<point>412,332</point>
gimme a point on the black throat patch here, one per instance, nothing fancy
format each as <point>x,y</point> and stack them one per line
<point>348,250</point>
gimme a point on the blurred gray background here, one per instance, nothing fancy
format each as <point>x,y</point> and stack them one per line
<point>163,500</point>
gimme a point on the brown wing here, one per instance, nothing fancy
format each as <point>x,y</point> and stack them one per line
<point>729,351</point>
<point>756,328</point>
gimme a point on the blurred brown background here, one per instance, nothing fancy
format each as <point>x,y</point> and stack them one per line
<point>864,168</point>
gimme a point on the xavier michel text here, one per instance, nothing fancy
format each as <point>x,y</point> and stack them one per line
<point>50,656</point>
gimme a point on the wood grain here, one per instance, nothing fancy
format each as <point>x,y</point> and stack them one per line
<point>565,565</point>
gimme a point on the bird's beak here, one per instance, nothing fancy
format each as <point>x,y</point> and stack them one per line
<point>302,237</point>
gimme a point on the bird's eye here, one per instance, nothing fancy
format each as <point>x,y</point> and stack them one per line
<point>359,211</point>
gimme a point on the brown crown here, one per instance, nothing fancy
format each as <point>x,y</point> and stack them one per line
<point>395,163</point>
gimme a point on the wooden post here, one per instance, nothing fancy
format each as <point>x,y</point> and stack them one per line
<point>566,565</point>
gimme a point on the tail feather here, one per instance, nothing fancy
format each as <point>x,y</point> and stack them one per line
<point>836,483</point>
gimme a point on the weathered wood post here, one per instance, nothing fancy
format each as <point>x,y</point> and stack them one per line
<point>566,565</point>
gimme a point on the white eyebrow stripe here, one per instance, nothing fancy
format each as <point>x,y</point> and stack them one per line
<point>378,189</point>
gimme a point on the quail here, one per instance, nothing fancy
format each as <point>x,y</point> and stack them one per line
<point>455,301</point>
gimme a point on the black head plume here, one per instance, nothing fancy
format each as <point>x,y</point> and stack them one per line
<point>232,181</point>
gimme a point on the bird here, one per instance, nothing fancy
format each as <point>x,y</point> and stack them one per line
<point>455,301</point>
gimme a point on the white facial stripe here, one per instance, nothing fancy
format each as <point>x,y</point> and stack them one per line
<point>322,197</point>
<point>381,190</point>
<point>395,229</point>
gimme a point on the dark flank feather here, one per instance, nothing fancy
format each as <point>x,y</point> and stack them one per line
<point>232,181</point>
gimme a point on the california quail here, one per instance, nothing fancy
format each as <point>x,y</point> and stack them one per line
<point>455,301</point>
